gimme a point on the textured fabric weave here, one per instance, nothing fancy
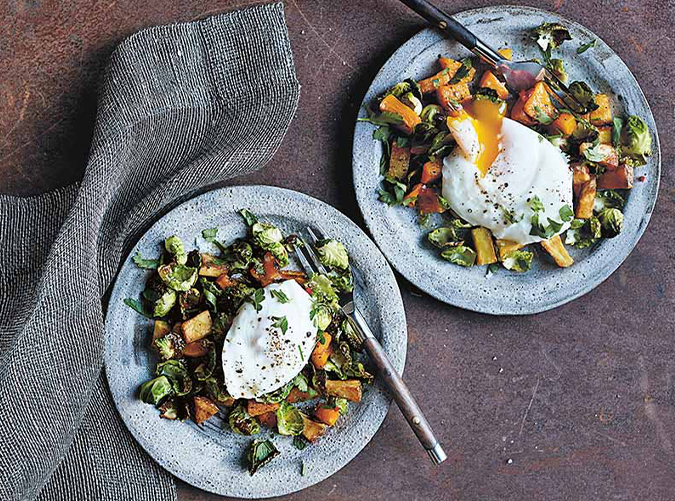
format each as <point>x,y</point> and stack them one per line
<point>181,107</point>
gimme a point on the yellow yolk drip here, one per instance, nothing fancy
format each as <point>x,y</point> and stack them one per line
<point>486,119</point>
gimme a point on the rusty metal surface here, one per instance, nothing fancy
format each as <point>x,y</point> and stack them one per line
<point>576,403</point>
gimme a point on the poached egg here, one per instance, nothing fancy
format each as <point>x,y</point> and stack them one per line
<point>265,349</point>
<point>500,170</point>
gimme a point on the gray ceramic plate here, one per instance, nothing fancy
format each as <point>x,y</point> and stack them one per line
<point>401,239</point>
<point>206,456</point>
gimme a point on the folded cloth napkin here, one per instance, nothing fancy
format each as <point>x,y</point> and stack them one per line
<point>181,106</point>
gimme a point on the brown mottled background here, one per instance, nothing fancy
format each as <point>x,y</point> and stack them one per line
<point>573,404</point>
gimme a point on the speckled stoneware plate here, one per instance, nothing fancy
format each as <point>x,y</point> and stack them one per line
<point>395,229</point>
<point>212,458</point>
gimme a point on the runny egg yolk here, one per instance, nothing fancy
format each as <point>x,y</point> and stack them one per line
<point>486,119</point>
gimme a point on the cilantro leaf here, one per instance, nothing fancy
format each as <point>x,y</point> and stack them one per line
<point>584,47</point>
<point>566,213</point>
<point>280,296</point>
<point>136,305</point>
<point>210,234</point>
<point>535,204</point>
<point>256,299</point>
<point>281,323</point>
<point>146,264</point>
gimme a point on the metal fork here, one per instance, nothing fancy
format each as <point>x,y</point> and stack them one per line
<point>404,399</point>
<point>519,75</point>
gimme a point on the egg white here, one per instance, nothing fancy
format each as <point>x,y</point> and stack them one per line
<point>258,358</point>
<point>527,165</point>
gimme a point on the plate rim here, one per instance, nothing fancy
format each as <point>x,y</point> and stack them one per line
<point>116,292</point>
<point>406,271</point>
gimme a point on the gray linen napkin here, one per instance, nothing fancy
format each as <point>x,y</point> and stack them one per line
<point>181,106</point>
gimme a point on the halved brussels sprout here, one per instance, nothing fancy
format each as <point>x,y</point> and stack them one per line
<point>460,254</point>
<point>611,221</point>
<point>268,237</point>
<point>164,304</point>
<point>178,276</point>
<point>289,420</point>
<point>518,260</point>
<point>332,253</point>
<point>260,453</point>
<point>243,424</point>
<point>638,143</point>
<point>156,390</point>
<point>174,246</point>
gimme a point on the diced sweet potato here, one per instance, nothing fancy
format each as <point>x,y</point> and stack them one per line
<point>268,419</point>
<point>448,95</point>
<point>580,176</point>
<point>605,134</point>
<point>485,250</point>
<point>204,409</point>
<point>610,159</point>
<point>297,396</point>
<point>539,102</point>
<point>160,329</point>
<point>506,247</point>
<point>350,389</point>
<point>224,281</point>
<point>196,349</point>
<point>399,161</point>
<point>327,415</point>
<point>431,171</point>
<point>450,64</point>
<point>506,53</point>
<point>565,124</point>
<point>490,81</point>
<point>257,408</point>
<point>427,201</point>
<point>197,327</point>
<point>409,117</point>
<point>619,179</point>
<point>518,111</point>
<point>414,193</point>
<point>312,430</point>
<point>556,249</point>
<point>603,114</point>
<point>209,268</point>
<point>432,83</point>
<point>586,199</point>
<point>321,351</point>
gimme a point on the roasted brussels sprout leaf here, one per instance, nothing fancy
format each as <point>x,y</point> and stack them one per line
<point>249,218</point>
<point>333,254</point>
<point>156,390</point>
<point>550,36</point>
<point>208,364</point>
<point>608,199</point>
<point>429,112</point>
<point>611,221</point>
<point>557,67</point>
<point>189,302</point>
<point>137,306</point>
<point>260,453</point>
<point>638,143</point>
<point>583,93</point>
<point>164,304</point>
<point>289,420</point>
<point>299,442</point>
<point>243,424</point>
<point>177,373</point>
<point>441,237</point>
<point>210,234</point>
<point>460,254</point>
<point>268,237</point>
<point>518,260</point>
<point>146,264</point>
<point>174,246</point>
<point>278,395</point>
<point>178,276</point>
<point>215,388</point>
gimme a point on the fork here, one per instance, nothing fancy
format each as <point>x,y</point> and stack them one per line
<point>404,399</point>
<point>519,75</point>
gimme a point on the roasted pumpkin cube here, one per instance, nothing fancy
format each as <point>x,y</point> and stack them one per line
<point>160,328</point>
<point>196,349</point>
<point>321,351</point>
<point>429,85</point>
<point>586,199</point>
<point>485,249</point>
<point>268,419</point>
<point>449,64</point>
<point>399,161</point>
<point>606,154</point>
<point>312,430</point>
<point>297,396</point>
<point>408,116</point>
<point>506,247</point>
<point>580,176</point>
<point>605,134</point>
<point>539,102</point>
<point>490,81</point>
<point>565,124</point>
<point>209,268</point>
<point>556,249</point>
<point>327,415</point>
<point>448,95</point>
<point>350,389</point>
<point>603,114</point>
<point>431,171</point>
<point>197,327</point>
<point>257,408</point>
<point>204,409</point>
<point>618,179</point>
<point>506,53</point>
<point>518,111</point>
<point>224,281</point>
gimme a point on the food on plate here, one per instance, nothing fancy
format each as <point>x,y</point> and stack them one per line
<point>242,337</point>
<point>498,173</point>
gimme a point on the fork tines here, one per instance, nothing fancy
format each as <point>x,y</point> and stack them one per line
<point>308,258</point>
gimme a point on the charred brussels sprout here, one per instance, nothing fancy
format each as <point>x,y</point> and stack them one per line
<point>260,453</point>
<point>177,373</point>
<point>278,395</point>
<point>611,221</point>
<point>332,253</point>
<point>205,369</point>
<point>189,302</point>
<point>174,246</point>
<point>178,276</point>
<point>322,288</point>
<point>164,304</point>
<point>550,36</point>
<point>429,112</point>
<point>321,316</point>
<point>170,345</point>
<point>583,93</point>
<point>241,423</point>
<point>460,254</point>
<point>412,102</point>
<point>289,420</point>
<point>638,143</point>
<point>156,390</point>
<point>268,237</point>
<point>441,237</point>
<point>518,260</point>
